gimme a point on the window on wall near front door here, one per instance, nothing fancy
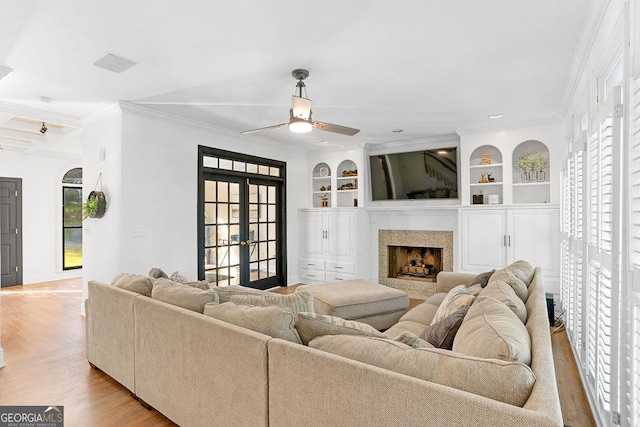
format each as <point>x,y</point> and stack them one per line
<point>72,219</point>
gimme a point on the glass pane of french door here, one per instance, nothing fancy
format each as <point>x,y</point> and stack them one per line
<point>241,226</point>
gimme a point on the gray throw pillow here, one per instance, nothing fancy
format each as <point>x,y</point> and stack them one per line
<point>442,333</point>
<point>157,273</point>
<point>482,279</point>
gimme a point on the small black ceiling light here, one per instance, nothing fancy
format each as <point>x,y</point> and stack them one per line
<point>43,129</point>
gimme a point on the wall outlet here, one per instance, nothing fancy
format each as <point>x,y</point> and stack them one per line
<point>138,232</point>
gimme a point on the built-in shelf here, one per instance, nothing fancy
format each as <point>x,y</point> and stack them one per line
<point>527,184</point>
<point>492,165</point>
<point>355,190</point>
<point>484,184</point>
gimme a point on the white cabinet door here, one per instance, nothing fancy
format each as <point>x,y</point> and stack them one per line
<point>483,238</point>
<point>312,234</point>
<point>535,237</point>
<point>340,226</point>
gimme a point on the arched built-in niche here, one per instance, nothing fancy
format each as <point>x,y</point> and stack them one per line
<point>321,181</point>
<point>485,175</point>
<point>531,186</point>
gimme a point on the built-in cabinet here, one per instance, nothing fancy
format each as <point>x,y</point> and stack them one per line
<point>333,244</point>
<point>491,237</point>
<point>336,180</point>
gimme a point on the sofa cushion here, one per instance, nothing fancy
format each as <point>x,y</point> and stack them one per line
<point>297,302</point>
<point>422,313</point>
<point>436,299</point>
<point>456,298</point>
<point>226,292</point>
<point>442,333</point>
<point>482,279</point>
<point>522,270</point>
<point>134,282</point>
<point>177,277</point>
<point>508,277</point>
<point>182,295</point>
<point>507,382</point>
<point>200,284</point>
<point>277,322</point>
<point>475,289</point>
<point>412,340</point>
<point>157,273</point>
<point>505,294</point>
<point>491,330</point>
<point>311,325</point>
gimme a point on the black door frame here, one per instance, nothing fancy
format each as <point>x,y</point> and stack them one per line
<point>18,248</point>
<point>204,172</point>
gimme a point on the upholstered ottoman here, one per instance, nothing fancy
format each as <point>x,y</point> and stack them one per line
<point>377,305</point>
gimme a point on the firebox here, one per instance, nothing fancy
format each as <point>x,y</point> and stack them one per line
<point>414,263</point>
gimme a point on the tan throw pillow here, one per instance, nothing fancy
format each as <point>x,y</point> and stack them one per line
<point>157,273</point>
<point>522,270</point>
<point>182,295</point>
<point>273,321</point>
<point>442,333</point>
<point>201,284</point>
<point>474,289</point>
<point>134,282</point>
<point>482,279</point>
<point>226,292</point>
<point>507,382</point>
<point>311,325</point>
<point>491,330</point>
<point>177,277</point>
<point>456,298</point>
<point>509,278</point>
<point>297,302</point>
<point>506,295</point>
<point>412,340</point>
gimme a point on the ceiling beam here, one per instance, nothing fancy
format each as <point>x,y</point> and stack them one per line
<point>40,115</point>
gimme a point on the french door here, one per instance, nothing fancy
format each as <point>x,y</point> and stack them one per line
<point>242,232</point>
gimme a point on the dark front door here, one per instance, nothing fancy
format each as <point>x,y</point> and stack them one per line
<point>11,230</point>
<point>241,227</point>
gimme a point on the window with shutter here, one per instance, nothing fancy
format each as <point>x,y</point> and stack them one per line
<point>592,322</point>
<point>605,218</point>
<point>594,162</point>
<point>604,343</point>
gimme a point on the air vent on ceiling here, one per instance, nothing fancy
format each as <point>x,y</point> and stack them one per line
<point>114,63</point>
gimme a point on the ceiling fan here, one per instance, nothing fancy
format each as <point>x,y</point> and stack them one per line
<point>300,120</point>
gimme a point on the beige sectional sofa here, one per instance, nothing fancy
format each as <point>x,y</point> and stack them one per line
<point>197,370</point>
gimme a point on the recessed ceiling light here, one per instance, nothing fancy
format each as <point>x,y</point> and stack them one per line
<point>397,130</point>
<point>114,63</point>
<point>496,116</point>
<point>324,142</point>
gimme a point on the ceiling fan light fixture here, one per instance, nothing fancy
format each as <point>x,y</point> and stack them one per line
<point>43,129</point>
<point>300,126</point>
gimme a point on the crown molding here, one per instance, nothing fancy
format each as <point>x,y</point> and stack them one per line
<point>154,114</point>
<point>544,121</point>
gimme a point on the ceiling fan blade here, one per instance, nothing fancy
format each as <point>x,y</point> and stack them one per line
<point>329,127</point>
<point>265,128</point>
<point>300,107</point>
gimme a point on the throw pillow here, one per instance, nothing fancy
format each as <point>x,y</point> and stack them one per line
<point>508,277</point>
<point>482,279</point>
<point>201,284</point>
<point>522,270</point>
<point>297,302</point>
<point>507,382</point>
<point>134,282</point>
<point>474,289</point>
<point>456,298</point>
<point>275,322</point>
<point>311,325</point>
<point>177,277</point>
<point>412,340</point>
<point>442,333</point>
<point>157,273</point>
<point>491,330</point>
<point>226,292</point>
<point>505,294</point>
<point>182,295</point>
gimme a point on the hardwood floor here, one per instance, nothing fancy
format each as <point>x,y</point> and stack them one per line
<point>43,335</point>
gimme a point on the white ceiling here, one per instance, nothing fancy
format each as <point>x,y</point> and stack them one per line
<point>429,67</point>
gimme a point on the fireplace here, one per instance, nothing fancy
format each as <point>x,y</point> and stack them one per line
<point>411,259</point>
<point>414,263</point>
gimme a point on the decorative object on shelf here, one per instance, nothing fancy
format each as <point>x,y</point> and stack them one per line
<point>323,188</point>
<point>485,159</point>
<point>478,199</point>
<point>494,199</point>
<point>532,167</point>
<point>348,186</point>
<point>324,200</point>
<point>328,188</point>
<point>355,203</point>
<point>96,204</point>
<point>524,176</point>
<point>489,178</point>
<point>353,172</point>
<point>483,178</point>
<point>324,171</point>
<point>541,176</point>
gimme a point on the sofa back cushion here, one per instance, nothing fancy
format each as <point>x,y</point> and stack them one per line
<point>456,298</point>
<point>522,270</point>
<point>276,322</point>
<point>226,292</point>
<point>134,282</point>
<point>297,302</point>
<point>507,382</point>
<point>482,279</point>
<point>491,330</point>
<point>312,325</point>
<point>182,295</point>
<point>508,277</point>
<point>505,294</point>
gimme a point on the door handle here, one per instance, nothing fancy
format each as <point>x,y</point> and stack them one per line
<point>509,240</point>
<point>504,240</point>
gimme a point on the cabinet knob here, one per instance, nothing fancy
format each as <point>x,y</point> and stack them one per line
<point>337,266</point>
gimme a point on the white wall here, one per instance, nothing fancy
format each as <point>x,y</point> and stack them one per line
<point>41,212</point>
<point>150,174</point>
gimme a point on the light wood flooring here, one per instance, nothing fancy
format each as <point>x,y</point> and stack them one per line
<point>43,336</point>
